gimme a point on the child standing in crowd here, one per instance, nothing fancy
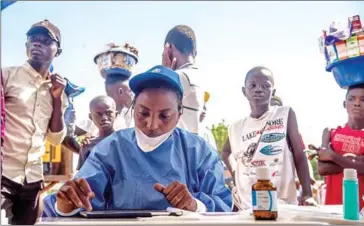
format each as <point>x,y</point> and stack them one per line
<point>343,147</point>
<point>34,109</point>
<point>116,87</point>
<point>102,113</point>
<point>268,137</point>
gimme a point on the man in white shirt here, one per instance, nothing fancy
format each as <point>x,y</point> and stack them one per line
<point>179,54</point>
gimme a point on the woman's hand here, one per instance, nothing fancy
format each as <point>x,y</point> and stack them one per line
<point>178,195</point>
<point>74,194</point>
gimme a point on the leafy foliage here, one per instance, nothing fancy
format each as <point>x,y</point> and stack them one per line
<point>220,132</point>
<point>315,170</point>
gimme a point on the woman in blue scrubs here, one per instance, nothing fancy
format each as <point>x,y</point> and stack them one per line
<point>152,166</point>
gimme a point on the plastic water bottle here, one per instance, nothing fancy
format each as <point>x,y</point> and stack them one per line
<point>351,195</point>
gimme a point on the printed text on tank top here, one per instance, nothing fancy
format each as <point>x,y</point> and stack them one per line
<point>271,125</point>
<point>270,135</point>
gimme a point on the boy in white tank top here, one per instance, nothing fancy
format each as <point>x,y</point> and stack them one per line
<point>269,136</point>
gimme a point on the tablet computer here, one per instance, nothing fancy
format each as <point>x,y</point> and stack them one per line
<point>128,213</point>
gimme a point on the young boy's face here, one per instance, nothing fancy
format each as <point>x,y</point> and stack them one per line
<point>354,103</point>
<point>103,114</point>
<point>258,89</point>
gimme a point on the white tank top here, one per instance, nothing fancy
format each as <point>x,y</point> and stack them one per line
<point>271,151</point>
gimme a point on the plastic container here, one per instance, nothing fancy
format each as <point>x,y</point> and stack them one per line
<point>116,60</point>
<point>348,72</point>
<point>264,196</point>
<point>351,195</point>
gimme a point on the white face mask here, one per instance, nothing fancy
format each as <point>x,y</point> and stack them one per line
<point>148,144</point>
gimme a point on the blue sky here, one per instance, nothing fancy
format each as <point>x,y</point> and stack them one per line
<point>232,37</point>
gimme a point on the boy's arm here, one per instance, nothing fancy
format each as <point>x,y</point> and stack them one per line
<point>327,168</point>
<point>71,144</point>
<point>226,155</point>
<point>345,162</point>
<point>328,155</point>
<point>300,159</point>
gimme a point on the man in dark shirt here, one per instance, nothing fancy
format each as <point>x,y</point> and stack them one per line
<point>102,113</point>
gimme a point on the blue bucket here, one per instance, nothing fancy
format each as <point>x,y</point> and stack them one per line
<point>348,72</point>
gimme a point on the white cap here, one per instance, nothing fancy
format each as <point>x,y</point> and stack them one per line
<point>262,173</point>
<point>350,174</point>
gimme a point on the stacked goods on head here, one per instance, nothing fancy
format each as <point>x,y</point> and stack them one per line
<point>117,59</point>
<point>343,49</point>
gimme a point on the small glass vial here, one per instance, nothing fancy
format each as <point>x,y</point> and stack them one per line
<point>264,196</point>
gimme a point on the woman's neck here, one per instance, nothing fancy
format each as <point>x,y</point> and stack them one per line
<point>258,111</point>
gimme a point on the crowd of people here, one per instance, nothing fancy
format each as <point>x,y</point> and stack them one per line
<point>146,145</point>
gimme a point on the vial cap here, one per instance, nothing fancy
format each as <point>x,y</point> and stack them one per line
<point>262,173</point>
<point>350,174</point>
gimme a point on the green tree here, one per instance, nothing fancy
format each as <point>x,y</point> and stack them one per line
<point>220,132</point>
<point>314,169</point>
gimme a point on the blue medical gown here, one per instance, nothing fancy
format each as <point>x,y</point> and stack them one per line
<point>122,176</point>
